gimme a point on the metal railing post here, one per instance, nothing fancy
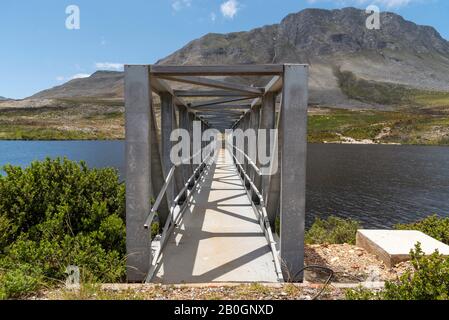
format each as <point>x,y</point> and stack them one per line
<point>167,126</point>
<point>268,122</point>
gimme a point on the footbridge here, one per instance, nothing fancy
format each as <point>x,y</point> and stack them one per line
<point>233,208</point>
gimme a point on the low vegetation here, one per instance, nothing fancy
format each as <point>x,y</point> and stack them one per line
<point>434,226</point>
<point>333,230</point>
<point>64,120</point>
<point>421,120</point>
<point>58,213</point>
<point>428,281</point>
<point>418,116</point>
<point>404,126</point>
<point>388,93</point>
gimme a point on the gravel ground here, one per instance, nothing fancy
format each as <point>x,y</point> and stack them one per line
<point>352,267</point>
<point>350,264</point>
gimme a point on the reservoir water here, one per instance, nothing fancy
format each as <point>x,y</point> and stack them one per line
<point>376,184</point>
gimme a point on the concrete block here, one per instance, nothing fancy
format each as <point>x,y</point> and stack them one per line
<point>394,246</point>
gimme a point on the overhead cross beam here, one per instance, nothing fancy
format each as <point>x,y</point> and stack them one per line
<point>274,86</point>
<point>220,116</point>
<point>229,70</point>
<point>237,112</point>
<point>224,107</point>
<point>217,84</point>
<point>217,102</point>
<point>213,93</point>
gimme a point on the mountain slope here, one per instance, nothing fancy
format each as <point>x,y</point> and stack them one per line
<point>101,84</point>
<point>401,53</point>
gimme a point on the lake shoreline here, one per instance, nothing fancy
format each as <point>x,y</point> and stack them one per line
<point>366,142</point>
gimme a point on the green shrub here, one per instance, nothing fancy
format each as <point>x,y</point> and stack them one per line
<point>362,294</point>
<point>21,280</point>
<point>428,281</point>
<point>58,213</point>
<point>433,226</point>
<point>334,230</point>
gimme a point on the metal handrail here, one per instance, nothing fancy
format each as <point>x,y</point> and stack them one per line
<point>164,188</point>
<point>159,198</point>
<point>251,162</point>
<point>264,221</point>
<point>170,223</point>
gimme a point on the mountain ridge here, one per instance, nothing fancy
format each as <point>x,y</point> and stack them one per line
<point>401,53</point>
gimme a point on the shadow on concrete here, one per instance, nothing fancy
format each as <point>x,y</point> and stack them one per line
<point>219,239</point>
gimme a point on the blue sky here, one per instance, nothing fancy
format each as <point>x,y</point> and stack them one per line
<point>39,52</point>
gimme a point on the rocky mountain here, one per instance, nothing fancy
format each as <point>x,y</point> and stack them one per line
<point>401,52</point>
<point>3,98</point>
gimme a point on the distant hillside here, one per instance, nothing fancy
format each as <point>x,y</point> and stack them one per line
<point>3,98</point>
<point>101,84</point>
<point>400,53</point>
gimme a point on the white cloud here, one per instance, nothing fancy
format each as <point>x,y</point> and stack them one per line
<point>213,16</point>
<point>180,4</point>
<point>80,76</point>
<point>109,66</point>
<point>98,66</point>
<point>230,8</point>
<point>75,76</point>
<point>384,3</point>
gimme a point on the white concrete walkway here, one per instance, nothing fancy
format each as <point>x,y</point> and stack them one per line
<point>220,239</point>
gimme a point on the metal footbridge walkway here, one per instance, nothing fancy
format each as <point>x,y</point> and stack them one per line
<point>219,238</point>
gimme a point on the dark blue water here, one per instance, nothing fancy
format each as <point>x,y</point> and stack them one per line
<point>377,185</point>
<point>97,154</point>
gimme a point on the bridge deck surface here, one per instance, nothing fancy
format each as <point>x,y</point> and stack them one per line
<point>219,239</point>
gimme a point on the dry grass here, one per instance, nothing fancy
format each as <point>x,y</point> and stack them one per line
<point>194,292</point>
<point>352,266</point>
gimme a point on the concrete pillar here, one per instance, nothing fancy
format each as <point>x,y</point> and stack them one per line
<point>293,144</point>
<point>138,107</point>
